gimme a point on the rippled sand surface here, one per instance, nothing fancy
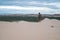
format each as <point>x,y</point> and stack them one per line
<point>47,29</point>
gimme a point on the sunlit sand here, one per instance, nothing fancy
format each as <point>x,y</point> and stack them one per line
<point>47,29</point>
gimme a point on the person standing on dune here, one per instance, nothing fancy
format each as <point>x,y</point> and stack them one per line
<point>39,17</point>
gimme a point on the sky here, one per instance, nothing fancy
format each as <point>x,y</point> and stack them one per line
<point>29,6</point>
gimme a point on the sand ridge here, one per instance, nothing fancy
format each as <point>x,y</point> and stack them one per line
<point>23,30</point>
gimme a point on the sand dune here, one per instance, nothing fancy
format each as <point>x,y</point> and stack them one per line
<point>48,29</point>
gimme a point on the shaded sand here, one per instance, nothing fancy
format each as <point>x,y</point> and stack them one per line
<point>48,29</point>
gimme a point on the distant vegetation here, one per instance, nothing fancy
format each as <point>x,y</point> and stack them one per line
<point>58,18</point>
<point>18,18</point>
<point>30,18</point>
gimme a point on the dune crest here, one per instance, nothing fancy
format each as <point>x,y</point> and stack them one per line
<point>47,29</point>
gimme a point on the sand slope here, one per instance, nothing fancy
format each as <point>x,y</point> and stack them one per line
<point>30,30</point>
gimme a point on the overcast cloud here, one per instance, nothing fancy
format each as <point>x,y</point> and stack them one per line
<point>30,6</point>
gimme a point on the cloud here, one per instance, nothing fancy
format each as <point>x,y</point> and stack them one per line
<point>43,6</point>
<point>55,4</point>
<point>19,9</point>
<point>35,0</point>
<point>26,8</point>
<point>31,3</point>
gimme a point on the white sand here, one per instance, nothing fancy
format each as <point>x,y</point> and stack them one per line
<point>30,30</point>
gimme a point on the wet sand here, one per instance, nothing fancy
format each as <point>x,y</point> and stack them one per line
<point>48,29</point>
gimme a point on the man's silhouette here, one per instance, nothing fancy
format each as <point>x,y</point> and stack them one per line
<point>39,16</point>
